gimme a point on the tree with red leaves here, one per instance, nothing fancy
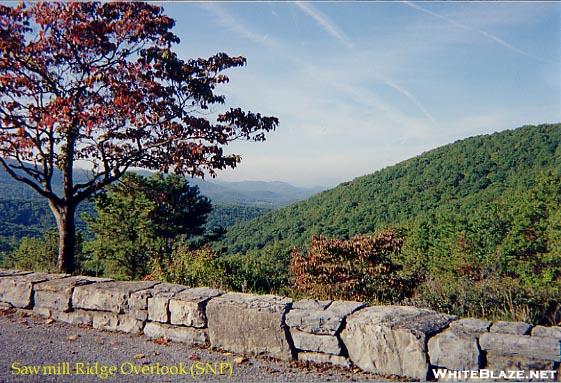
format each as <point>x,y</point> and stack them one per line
<point>99,82</point>
<point>363,268</point>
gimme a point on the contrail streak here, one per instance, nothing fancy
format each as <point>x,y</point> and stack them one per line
<point>496,39</point>
<point>334,30</point>
<point>238,27</point>
<point>329,26</point>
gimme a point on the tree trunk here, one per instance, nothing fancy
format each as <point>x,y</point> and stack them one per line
<point>67,237</point>
<point>66,210</point>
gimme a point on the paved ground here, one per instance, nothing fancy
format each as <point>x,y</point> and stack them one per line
<point>28,343</point>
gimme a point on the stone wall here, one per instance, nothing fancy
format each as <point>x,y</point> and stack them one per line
<point>386,340</point>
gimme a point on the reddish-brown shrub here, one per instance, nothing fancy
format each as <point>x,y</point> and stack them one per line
<point>361,268</point>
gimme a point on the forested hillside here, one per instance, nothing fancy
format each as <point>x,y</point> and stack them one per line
<point>31,217</point>
<point>24,214</point>
<point>458,176</point>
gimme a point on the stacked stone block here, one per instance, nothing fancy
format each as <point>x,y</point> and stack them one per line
<point>53,299</point>
<point>16,288</point>
<point>392,340</point>
<point>386,340</point>
<point>179,314</point>
<point>250,324</point>
<point>518,346</point>
<point>315,328</point>
<point>108,303</point>
<point>457,347</point>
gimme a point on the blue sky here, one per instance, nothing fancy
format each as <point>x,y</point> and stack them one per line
<point>358,86</point>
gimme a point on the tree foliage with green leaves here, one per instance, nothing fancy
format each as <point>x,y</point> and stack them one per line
<point>502,260</point>
<point>483,167</point>
<point>138,222</point>
<point>261,271</point>
<point>481,223</point>
<point>192,267</point>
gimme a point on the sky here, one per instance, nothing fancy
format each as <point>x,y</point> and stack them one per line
<point>358,86</point>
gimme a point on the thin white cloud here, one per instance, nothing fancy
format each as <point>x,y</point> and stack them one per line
<point>490,36</point>
<point>334,30</point>
<point>328,25</point>
<point>359,94</point>
<point>232,23</point>
<point>412,98</point>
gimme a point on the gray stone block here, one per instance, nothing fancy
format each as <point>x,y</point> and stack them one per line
<point>138,300</point>
<point>110,321</point>
<point>158,303</point>
<point>514,328</point>
<point>139,314</point>
<point>177,334</point>
<point>322,321</point>
<point>138,303</point>
<point>12,273</point>
<point>107,296</point>
<point>328,344</point>
<point>310,304</point>
<point>499,362</point>
<point>188,308</point>
<point>529,346</point>
<point>391,340</point>
<point>249,324</point>
<point>76,317</point>
<point>56,294</point>
<point>471,325</point>
<point>549,332</point>
<point>17,290</point>
<point>454,349</point>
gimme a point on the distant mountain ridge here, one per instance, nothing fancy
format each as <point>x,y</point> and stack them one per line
<point>254,193</point>
<point>265,194</point>
<point>455,176</point>
<point>24,213</point>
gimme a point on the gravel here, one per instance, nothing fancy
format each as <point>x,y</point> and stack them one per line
<point>30,341</point>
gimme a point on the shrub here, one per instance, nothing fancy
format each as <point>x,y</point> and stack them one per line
<point>360,268</point>
<point>261,271</point>
<point>495,297</point>
<point>39,254</point>
<point>191,267</point>
<point>502,261</point>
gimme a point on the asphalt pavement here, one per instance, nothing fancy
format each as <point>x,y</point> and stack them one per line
<point>35,350</point>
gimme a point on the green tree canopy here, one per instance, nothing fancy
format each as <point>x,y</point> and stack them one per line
<point>139,219</point>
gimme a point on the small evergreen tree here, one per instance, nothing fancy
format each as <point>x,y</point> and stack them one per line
<point>138,221</point>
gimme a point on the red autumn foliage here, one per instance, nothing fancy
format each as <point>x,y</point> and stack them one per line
<point>99,82</point>
<point>360,268</point>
